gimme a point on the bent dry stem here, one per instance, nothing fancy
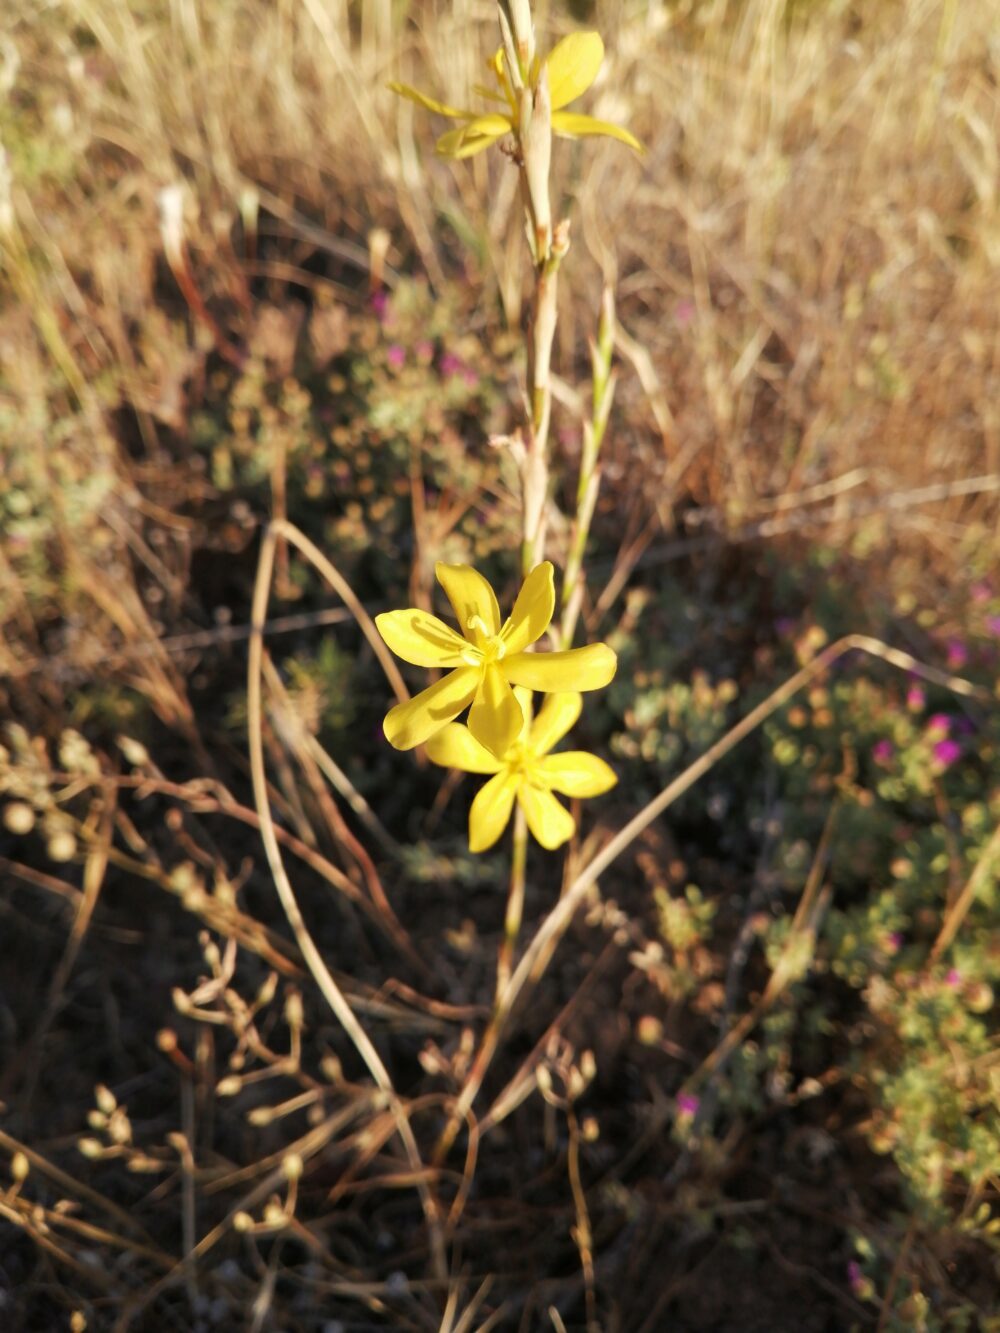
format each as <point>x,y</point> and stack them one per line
<point>328,987</point>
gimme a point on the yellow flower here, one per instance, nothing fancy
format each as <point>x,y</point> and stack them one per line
<point>572,67</point>
<point>486,659</point>
<point>527,773</point>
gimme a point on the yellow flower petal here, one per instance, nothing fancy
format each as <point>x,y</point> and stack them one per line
<point>471,597</point>
<point>489,95</point>
<point>550,823</point>
<point>557,714</point>
<point>412,723</point>
<point>421,639</point>
<point>430,104</point>
<point>491,810</point>
<point>523,697</point>
<point>589,668</point>
<point>456,747</point>
<point>577,773</point>
<point>458,144</point>
<point>573,64</point>
<point>490,123</point>
<point>495,718</point>
<point>574,126</point>
<point>532,611</point>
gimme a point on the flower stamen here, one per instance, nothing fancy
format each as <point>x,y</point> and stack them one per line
<point>492,647</point>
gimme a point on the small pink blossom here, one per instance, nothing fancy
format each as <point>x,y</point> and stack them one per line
<point>450,364</point>
<point>916,698</point>
<point>396,356</point>
<point>939,723</point>
<point>958,654</point>
<point>954,978</point>
<point>946,752</point>
<point>882,751</point>
<point>687,1104</point>
<point>684,312</point>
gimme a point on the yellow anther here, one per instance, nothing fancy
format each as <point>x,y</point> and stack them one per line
<point>492,648</point>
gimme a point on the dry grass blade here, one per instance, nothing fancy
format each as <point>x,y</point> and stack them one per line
<point>984,869</point>
<point>328,987</point>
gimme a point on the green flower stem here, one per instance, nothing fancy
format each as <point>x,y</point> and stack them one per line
<point>515,901</point>
<point>590,477</point>
<point>535,468</point>
<point>549,245</point>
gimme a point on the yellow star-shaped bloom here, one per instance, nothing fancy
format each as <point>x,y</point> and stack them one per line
<point>485,659</point>
<point>571,66</point>
<point>527,773</point>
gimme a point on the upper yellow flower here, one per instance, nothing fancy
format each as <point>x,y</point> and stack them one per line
<point>572,67</point>
<point>527,773</point>
<point>486,659</point>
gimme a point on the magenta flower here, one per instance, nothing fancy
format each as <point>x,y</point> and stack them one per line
<point>946,752</point>
<point>916,699</point>
<point>450,364</point>
<point>684,312</point>
<point>687,1104</point>
<point>958,654</point>
<point>940,723</point>
<point>954,978</point>
<point>379,302</point>
<point>396,356</point>
<point>882,751</point>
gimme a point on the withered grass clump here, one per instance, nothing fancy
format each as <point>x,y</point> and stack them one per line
<point>236,284</point>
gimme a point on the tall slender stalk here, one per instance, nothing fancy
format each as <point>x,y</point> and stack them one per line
<point>588,485</point>
<point>547,251</point>
<point>314,960</point>
<point>515,900</point>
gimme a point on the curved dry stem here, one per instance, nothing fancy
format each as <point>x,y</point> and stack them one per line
<point>282,528</point>
<point>328,987</point>
<point>338,779</point>
<point>981,872</point>
<point>552,928</point>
